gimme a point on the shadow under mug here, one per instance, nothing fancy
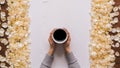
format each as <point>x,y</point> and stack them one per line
<point>59,36</point>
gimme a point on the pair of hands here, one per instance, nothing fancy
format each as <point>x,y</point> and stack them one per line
<point>66,45</point>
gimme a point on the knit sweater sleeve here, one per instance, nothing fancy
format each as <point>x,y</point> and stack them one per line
<point>47,62</point>
<point>72,61</point>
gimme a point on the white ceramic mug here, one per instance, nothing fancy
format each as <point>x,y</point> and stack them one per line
<point>59,36</point>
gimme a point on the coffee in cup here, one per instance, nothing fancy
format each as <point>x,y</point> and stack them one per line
<point>60,36</point>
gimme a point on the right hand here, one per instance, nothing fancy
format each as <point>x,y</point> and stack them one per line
<point>67,43</point>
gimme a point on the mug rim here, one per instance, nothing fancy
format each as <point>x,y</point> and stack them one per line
<point>60,42</point>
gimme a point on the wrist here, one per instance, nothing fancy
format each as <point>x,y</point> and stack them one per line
<point>51,51</point>
<point>67,49</point>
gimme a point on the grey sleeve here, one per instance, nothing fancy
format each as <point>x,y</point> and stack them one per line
<point>72,61</point>
<point>47,62</point>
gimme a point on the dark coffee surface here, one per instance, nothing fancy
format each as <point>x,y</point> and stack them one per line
<point>59,35</point>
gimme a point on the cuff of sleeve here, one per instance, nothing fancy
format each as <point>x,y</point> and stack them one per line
<point>70,58</point>
<point>48,60</point>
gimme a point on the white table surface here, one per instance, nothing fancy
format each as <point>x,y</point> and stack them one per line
<point>71,14</point>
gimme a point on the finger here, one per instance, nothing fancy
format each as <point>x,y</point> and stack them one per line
<point>69,39</point>
<point>66,30</point>
<point>69,36</point>
<point>50,38</point>
<point>53,31</point>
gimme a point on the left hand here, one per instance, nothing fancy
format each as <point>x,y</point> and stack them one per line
<point>52,43</point>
